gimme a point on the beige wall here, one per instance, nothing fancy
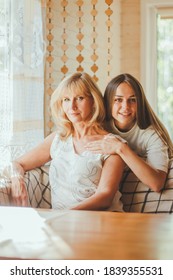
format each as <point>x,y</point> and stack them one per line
<point>130,37</point>
<point>76,32</point>
<point>108,29</point>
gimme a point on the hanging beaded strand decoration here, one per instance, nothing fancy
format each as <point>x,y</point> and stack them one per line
<point>108,13</point>
<point>94,46</point>
<point>49,60</point>
<point>79,35</point>
<point>64,36</point>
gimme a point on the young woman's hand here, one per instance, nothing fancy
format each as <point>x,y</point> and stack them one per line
<point>108,144</point>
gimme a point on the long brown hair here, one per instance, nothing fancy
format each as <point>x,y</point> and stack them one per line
<point>145,115</point>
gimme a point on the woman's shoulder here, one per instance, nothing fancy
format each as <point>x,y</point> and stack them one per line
<point>58,143</point>
<point>150,132</point>
<point>151,138</point>
<point>143,138</point>
<point>145,132</point>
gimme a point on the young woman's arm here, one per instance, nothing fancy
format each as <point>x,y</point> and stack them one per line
<point>32,159</point>
<point>109,183</point>
<point>152,177</point>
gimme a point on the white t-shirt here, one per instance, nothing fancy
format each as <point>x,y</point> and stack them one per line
<point>148,145</point>
<point>75,177</point>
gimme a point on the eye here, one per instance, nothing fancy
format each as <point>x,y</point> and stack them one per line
<point>80,98</point>
<point>66,99</point>
<point>118,100</point>
<point>132,100</point>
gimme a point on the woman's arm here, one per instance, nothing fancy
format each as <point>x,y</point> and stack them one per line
<point>37,156</point>
<point>109,183</point>
<point>147,174</point>
<point>16,170</point>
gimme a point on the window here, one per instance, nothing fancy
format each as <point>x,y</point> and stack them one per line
<point>22,50</point>
<point>5,104</point>
<point>156,68</point>
<point>165,67</point>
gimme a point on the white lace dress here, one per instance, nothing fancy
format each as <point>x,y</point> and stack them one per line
<point>75,177</point>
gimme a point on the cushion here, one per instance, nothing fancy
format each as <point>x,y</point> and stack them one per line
<point>38,187</point>
<point>138,197</point>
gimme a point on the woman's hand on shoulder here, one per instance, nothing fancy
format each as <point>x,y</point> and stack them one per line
<point>107,144</point>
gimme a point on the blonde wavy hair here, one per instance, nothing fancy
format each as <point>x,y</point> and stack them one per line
<point>81,82</point>
<point>145,116</point>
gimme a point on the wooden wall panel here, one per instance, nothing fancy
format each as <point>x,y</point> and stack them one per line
<point>130,37</point>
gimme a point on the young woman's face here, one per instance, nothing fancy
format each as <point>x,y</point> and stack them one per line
<point>124,107</point>
<point>77,106</point>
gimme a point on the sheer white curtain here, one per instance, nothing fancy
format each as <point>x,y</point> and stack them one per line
<point>21,77</point>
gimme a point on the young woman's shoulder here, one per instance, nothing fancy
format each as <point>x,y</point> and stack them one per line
<point>152,138</point>
<point>150,132</point>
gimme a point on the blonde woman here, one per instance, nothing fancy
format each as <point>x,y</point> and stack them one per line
<point>129,115</point>
<point>79,179</point>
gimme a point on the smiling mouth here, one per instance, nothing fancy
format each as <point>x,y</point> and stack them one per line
<point>74,114</point>
<point>125,114</point>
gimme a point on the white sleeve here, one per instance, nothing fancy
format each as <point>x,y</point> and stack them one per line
<point>157,153</point>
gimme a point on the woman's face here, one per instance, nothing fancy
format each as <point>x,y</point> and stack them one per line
<point>77,106</point>
<point>124,107</point>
